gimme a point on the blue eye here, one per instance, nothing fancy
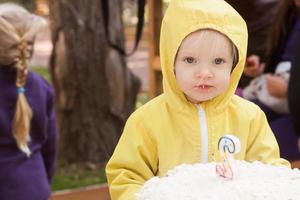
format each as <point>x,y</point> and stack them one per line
<point>189,60</point>
<point>219,61</point>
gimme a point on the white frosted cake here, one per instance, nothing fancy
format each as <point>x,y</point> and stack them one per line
<point>251,181</point>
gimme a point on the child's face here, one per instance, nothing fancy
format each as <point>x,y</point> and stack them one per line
<point>203,65</point>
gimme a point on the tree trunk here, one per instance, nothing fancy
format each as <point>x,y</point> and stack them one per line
<point>95,92</point>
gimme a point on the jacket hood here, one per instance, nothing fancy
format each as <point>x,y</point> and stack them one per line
<point>186,16</point>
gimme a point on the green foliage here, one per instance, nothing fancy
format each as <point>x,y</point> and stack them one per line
<point>77,175</point>
<point>28,4</point>
<point>43,71</point>
<point>142,98</point>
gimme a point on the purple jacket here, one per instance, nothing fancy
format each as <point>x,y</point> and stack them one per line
<point>22,177</point>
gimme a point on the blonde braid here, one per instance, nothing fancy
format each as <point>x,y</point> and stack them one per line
<point>23,114</point>
<point>18,27</point>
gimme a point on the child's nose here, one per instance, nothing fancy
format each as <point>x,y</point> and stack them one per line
<point>203,72</point>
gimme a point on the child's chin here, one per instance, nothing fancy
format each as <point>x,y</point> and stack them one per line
<point>199,99</point>
<point>202,99</point>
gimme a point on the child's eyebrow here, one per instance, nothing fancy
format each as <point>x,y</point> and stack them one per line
<point>186,52</point>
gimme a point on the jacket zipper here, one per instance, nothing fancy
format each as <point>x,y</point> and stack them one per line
<point>204,135</point>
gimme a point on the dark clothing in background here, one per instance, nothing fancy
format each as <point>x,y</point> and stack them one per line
<point>22,177</point>
<point>282,128</point>
<point>294,88</point>
<point>282,124</point>
<point>286,138</point>
<point>289,47</point>
<point>259,15</point>
<point>291,30</point>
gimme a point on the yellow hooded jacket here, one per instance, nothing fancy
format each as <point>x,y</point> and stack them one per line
<point>169,130</point>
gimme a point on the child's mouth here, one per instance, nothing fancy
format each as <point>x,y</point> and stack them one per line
<point>203,87</point>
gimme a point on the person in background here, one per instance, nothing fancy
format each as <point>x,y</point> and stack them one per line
<point>27,118</point>
<point>259,16</point>
<point>283,34</point>
<point>202,56</point>
<point>294,91</point>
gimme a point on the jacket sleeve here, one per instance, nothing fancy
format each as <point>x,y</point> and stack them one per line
<point>262,145</point>
<point>49,147</point>
<point>133,162</point>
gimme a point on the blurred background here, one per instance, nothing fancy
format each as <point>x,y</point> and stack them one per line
<point>83,53</point>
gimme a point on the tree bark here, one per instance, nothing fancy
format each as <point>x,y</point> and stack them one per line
<point>95,92</point>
